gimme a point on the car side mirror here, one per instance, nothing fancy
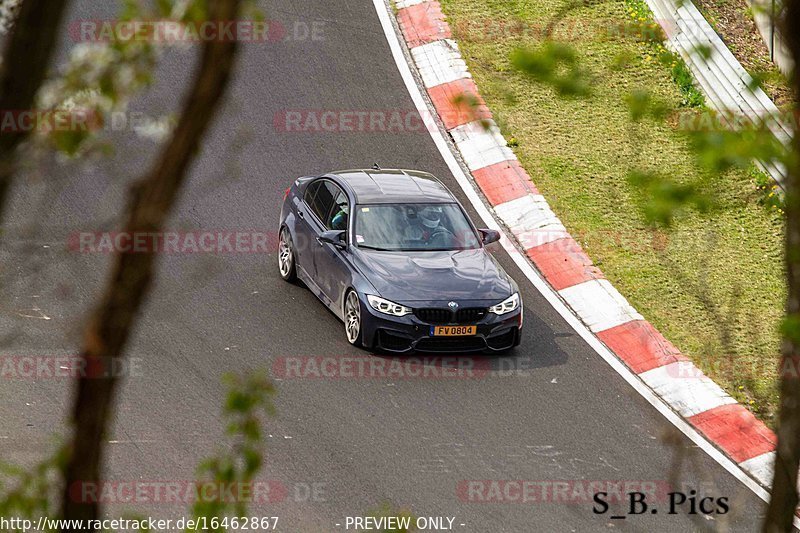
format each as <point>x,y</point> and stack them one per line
<point>335,237</point>
<point>489,235</point>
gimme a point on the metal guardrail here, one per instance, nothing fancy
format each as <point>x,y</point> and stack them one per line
<point>729,89</point>
<point>765,14</point>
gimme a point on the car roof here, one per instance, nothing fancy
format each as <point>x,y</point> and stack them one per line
<point>371,186</point>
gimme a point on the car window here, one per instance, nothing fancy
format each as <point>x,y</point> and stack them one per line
<point>322,201</point>
<point>414,227</point>
<point>311,191</point>
<point>340,212</point>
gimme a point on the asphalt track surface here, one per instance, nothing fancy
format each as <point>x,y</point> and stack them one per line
<point>359,442</point>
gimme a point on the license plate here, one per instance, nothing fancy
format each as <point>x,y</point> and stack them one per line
<point>453,331</point>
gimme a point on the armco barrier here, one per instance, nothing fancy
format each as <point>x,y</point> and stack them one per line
<point>727,85</point>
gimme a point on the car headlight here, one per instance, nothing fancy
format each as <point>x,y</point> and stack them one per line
<point>385,306</point>
<point>506,306</point>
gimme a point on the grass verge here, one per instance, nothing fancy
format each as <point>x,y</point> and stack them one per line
<point>714,283</point>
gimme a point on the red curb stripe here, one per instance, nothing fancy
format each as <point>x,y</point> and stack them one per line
<point>471,106</point>
<point>641,346</point>
<point>563,263</point>
<point>504,181</point>
<point>423,23</point>
<point>736,430</point>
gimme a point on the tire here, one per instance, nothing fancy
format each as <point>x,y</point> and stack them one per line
<point>352,319</point>
<point>286,257</point>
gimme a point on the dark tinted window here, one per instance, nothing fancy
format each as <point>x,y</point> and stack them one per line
<point>329,203</point>
<point>311,191</point>
<point>322,201</point>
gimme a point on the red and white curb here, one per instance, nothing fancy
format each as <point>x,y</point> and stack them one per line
<point>559,258</point>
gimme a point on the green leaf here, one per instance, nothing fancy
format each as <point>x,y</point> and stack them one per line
<point>662,198</point>
<point>555,64</point>
<point>790,328</point>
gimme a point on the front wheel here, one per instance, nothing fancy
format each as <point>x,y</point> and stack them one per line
<point>352,318</point>
<point>286,256</point>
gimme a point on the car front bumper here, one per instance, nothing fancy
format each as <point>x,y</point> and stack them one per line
<point>495,333</point>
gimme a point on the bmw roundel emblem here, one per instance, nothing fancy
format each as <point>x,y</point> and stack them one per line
<point>452,305</point>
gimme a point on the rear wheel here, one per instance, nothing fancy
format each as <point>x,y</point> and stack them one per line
<point>286,257</point>
<point>352,318</point>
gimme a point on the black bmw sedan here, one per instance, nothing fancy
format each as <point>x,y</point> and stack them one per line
<point>394,255</point>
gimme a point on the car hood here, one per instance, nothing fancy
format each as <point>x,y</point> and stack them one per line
<point>430,276</point>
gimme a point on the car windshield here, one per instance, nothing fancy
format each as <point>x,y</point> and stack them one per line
<point>413,227</point>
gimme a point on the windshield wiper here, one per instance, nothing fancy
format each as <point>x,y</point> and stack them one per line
<point>379,249</point>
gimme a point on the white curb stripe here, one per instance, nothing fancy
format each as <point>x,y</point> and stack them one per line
<point>400,4</point>
<point>481,144</point>
<point>528,213</point>
<point>599,305</point>
<point>439,62</point>
<point>531,220</point>
<point>688,395</point>
<point>761,467</point>
<point>532,239</point>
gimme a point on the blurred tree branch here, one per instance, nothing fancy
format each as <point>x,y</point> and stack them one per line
<point>150,202</point>
<point>22,72</point>
<point>784,500</point>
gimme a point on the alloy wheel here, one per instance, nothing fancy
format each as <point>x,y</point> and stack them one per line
<point>286,256</point>
<point>352,317</point>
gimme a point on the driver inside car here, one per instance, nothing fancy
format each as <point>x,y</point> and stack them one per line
<point>427,227</point>
<point>339,220</point>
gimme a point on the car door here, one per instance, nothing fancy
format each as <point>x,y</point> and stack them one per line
<point>331,263</point>
<point>306,228</point>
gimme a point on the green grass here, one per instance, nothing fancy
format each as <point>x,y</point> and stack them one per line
<point>714,283</point>
<point>639,13</point>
